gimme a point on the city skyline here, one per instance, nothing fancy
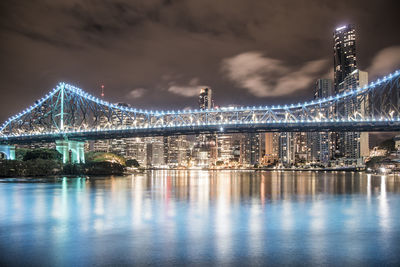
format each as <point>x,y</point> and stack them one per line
<point>199,133</point>
<point>97,44</point>
<point>70,106</point>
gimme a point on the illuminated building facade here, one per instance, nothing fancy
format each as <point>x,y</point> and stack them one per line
<point>287,148</point>
<point>206,148</point>
<point>320,144</point>
<point>271,148</point>
<point>154,151</point>
<point>354,145</point>
<point>252,148</point>
<point>344,53</point>
<point>176,150</point>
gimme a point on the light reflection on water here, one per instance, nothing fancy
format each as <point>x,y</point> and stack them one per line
<point>202,217</point>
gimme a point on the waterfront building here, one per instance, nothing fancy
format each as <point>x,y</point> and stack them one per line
<point>205,150</point>
<point>136,149</point>
<point>154,151</point>
<point>176,151</point>
<point>378,152</point>
<point>252,148</point>
<point>293,148</point>
<point>396,140</point>
<point>320,144</point>
<point>225,148</point>
<point>287,148</point>
<point>271,148</point>
<point>301,148</point>
<point>238,149</point>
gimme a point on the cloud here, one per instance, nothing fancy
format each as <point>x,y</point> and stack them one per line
<point>136,93</point>
<point>190,90</point>
<point>387,60</point>
<point>301,78</point>
<point>264,76</point>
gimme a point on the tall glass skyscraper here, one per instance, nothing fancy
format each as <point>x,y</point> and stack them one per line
<point>344,53</point>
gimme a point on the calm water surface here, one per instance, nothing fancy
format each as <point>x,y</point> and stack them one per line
<point>202,218</point>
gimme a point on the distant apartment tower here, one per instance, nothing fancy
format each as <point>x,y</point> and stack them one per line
<point>205,98</point>
<point>344,53</point>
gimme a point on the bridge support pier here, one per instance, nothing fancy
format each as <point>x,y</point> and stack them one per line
<point>7,151</point>
<point>72,151</point>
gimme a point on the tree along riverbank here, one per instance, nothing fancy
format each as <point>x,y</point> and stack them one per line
<point>42,167</point>
<point>48,162</point>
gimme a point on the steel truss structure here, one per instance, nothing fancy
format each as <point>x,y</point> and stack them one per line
<point>69,112</point>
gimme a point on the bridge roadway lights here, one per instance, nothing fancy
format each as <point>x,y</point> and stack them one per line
<point>72,151</point>
<point>7,151</point>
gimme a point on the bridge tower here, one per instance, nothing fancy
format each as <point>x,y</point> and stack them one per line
<point>7,151</point>
<point>72,151</point>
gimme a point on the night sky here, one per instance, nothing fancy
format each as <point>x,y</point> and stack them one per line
<point>157,54</point>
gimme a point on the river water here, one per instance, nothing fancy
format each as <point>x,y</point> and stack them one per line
<point>199,218</point>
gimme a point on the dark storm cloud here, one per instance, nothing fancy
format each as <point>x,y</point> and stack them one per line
<point>157,54</point>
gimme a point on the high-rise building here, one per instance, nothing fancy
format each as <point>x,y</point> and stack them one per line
<point>271,148</point>
<point>300,147</point>
<point>293,148</point>
<point>287,148</point>
<point>238,149</point>
<point>154,151</point>
<point>344,53</point>
<point>136,149</point>
<point>354,145</point>
<point>252,148</point>
<point>205,150</point>
<point>225,148</point>
<point>345,62</point>
<point>205,98</point>
<point>176,150</point>
<point>320,144</point>
<point>323,88</point>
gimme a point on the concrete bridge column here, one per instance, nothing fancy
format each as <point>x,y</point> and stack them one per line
<point>72,151</point>
<point>7,151</point>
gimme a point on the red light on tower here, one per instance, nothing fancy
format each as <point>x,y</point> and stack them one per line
<point>102,90</point>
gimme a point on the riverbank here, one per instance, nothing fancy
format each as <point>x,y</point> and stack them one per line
<point>49,168</point>
<point>349,169</point>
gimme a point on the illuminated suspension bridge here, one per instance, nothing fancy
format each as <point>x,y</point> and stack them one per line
<point>70,116</point>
